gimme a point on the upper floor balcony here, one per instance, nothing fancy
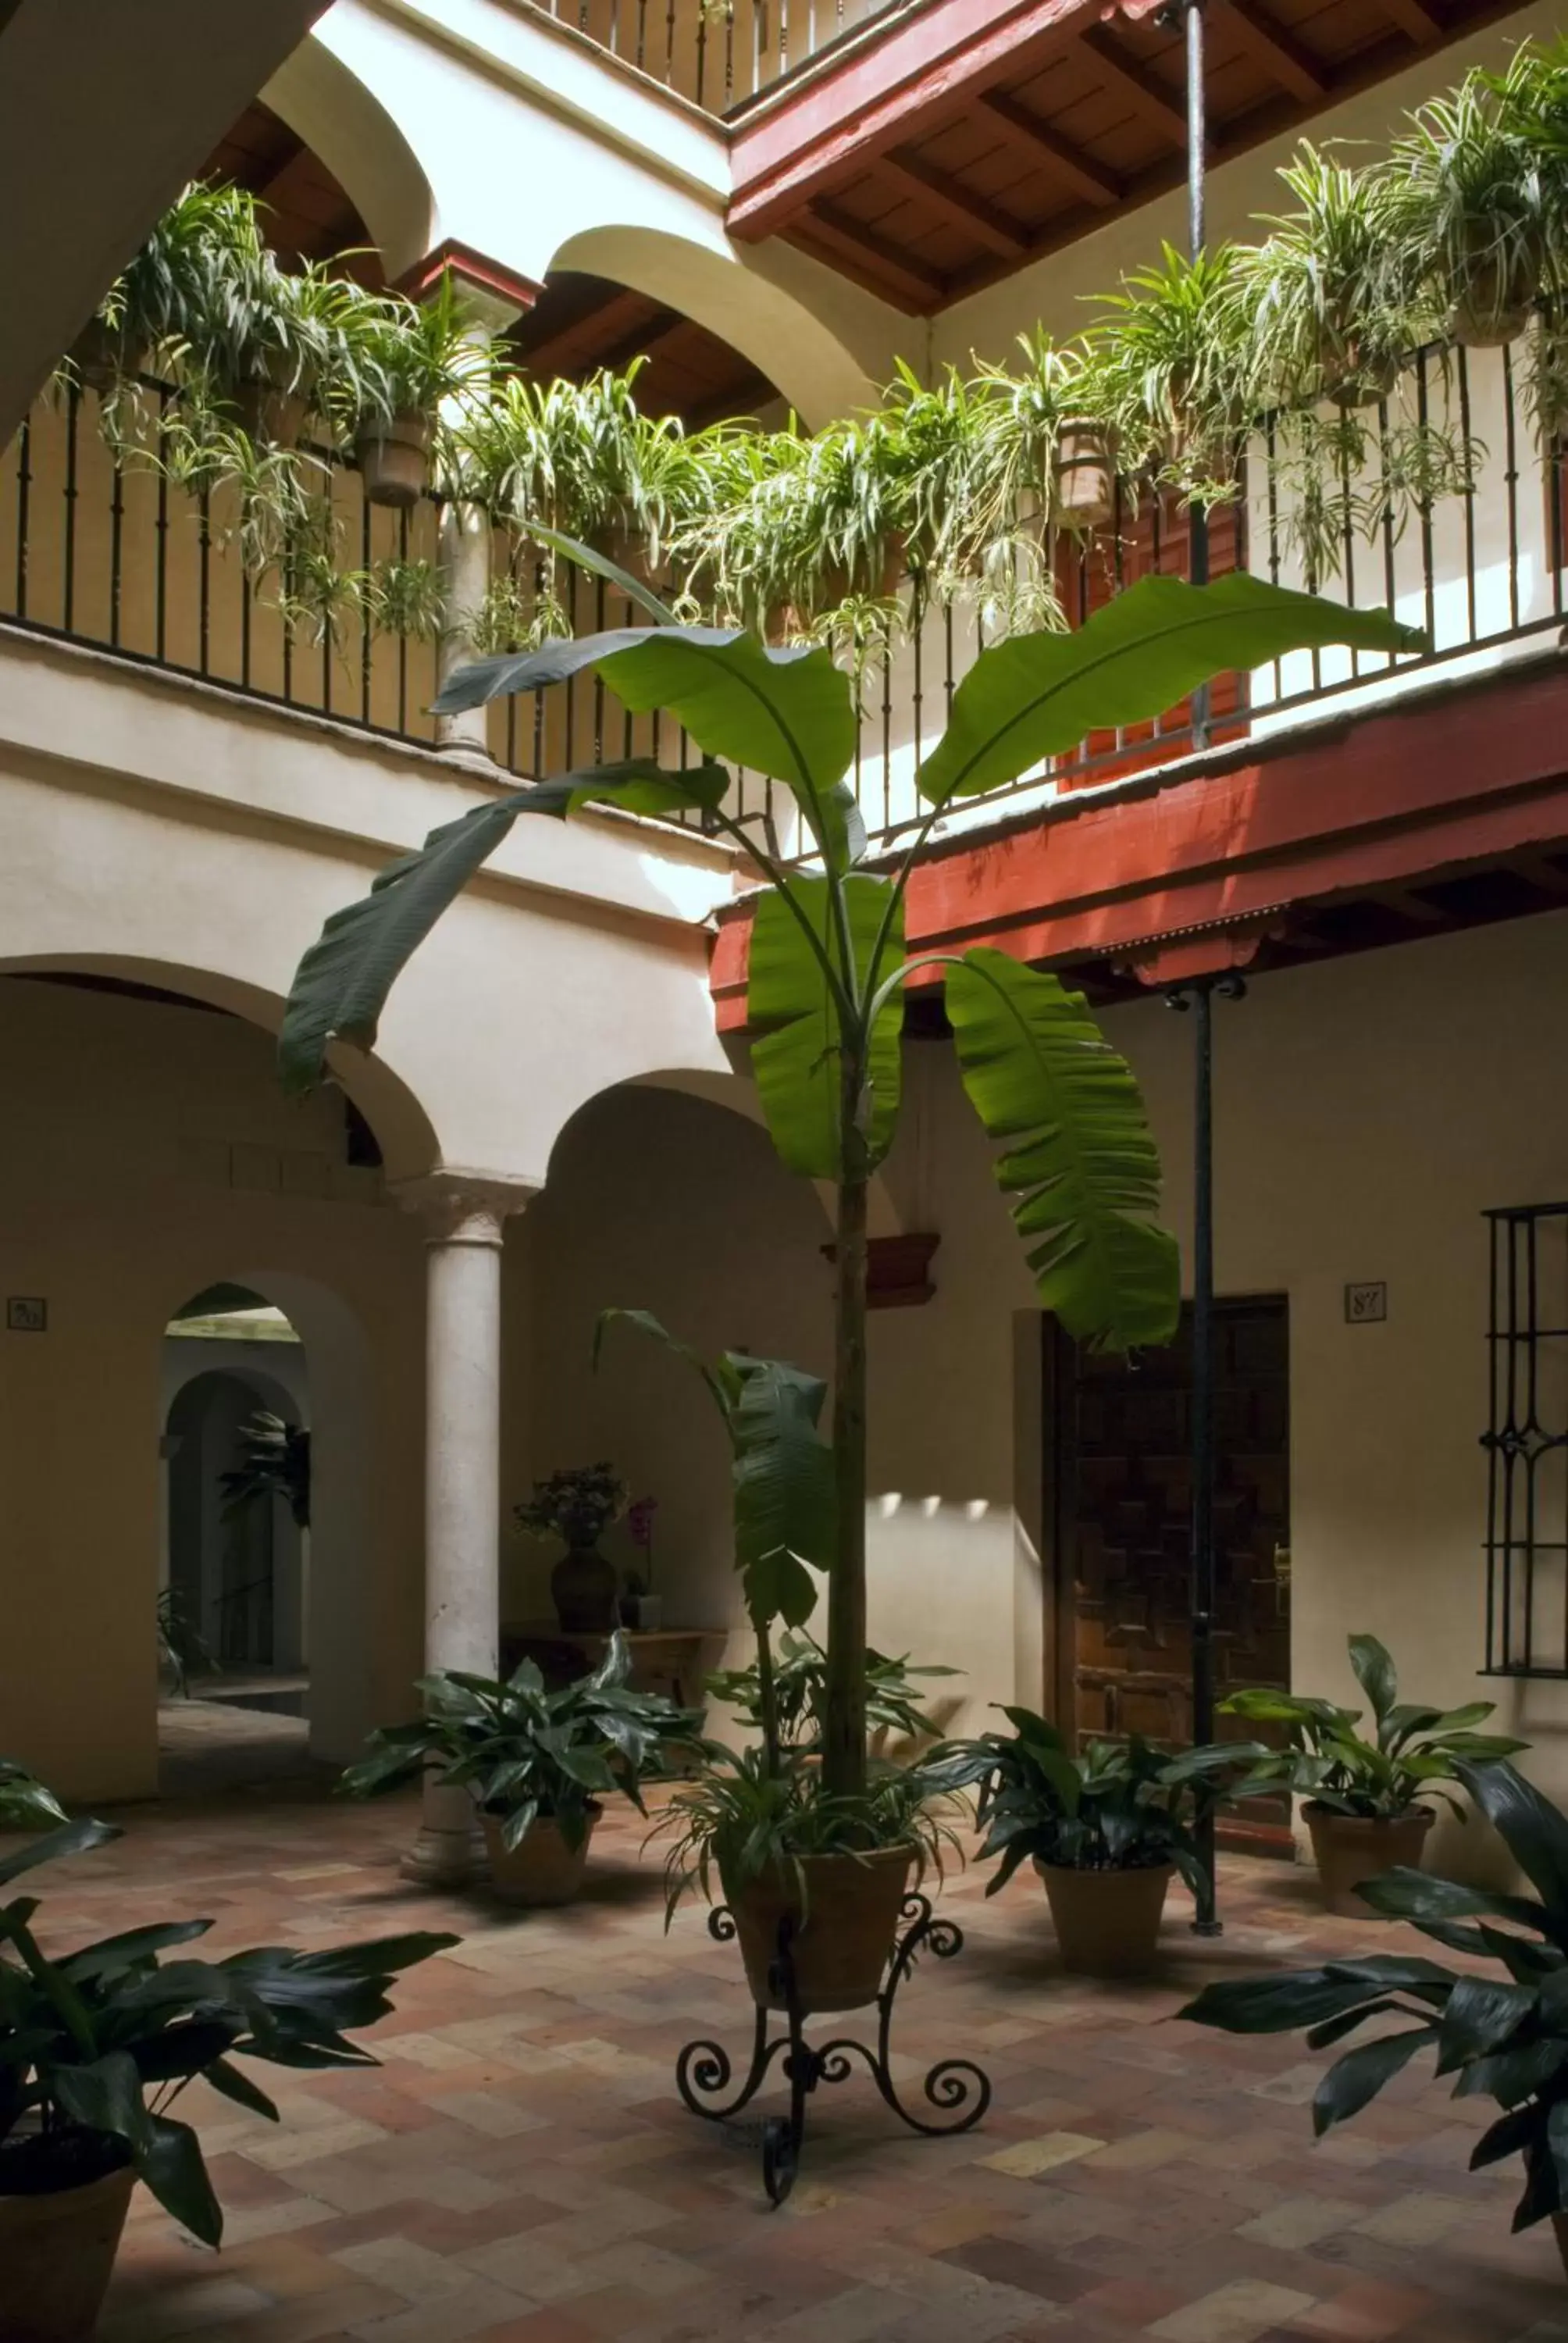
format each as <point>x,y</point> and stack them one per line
<point>101,546</point>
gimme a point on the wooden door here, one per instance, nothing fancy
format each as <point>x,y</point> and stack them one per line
<point>1122,1449</point>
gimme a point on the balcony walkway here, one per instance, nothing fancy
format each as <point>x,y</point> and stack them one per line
<point>521,2169</point>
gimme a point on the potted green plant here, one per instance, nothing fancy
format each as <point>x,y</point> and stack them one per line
<point>826,981</point>
<point>1478,197</point>
<point>1330,300</point>
<point>578,1505</point>
<point>538,1764</point>
<point>1106,1827</point>
<point>399,362</point>
<point>96,2046</point>
<point>1502,2037</point>
<point>1364,1796</point>
<point>1171,364</point>
<point>779,1852</point>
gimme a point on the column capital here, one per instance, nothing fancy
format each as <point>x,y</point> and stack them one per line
<point>464,1208</point>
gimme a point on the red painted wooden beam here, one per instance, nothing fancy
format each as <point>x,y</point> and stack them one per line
<point>807,141</point>
<point>1464,774</point>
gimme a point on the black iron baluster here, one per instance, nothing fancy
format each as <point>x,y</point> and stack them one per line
<point>73,421</point>
<point>918,647</point>
<point>641,33</point>
<point>367,638</point>
<point>1272,457</point>
<point>23,512</point>
<point>1348,543</point>
<point>204,605</point>
<point>1423,507</point>
<point>117,545</point>
<point>161,526</point>
<point>403,640</point>
<point>1390,585</point>
<point>538,696</point>
<point>1473,628</point>
<point>729,54</point>
<point>669,45</point>
<point>701,51</point>
<point>598,628</point>
<point>949,685</point>
<point>629,745</point>
<point>1531,1426</point>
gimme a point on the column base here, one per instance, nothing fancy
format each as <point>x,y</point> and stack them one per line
<point>470,755</point>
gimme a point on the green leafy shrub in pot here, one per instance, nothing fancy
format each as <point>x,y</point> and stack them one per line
<point>1363,1796</point>
<point>1505,2039</point>
<point>1105,1827</point>
<point>779,1843</point>
<point>97,2045</point>
<point>538,1764</point>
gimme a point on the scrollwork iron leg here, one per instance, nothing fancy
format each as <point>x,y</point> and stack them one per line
<point>955,2088</point>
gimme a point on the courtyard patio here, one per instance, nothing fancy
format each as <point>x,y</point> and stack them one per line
<point>521,2169</point>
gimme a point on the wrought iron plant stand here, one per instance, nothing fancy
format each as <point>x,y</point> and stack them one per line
<point>956,2087</point>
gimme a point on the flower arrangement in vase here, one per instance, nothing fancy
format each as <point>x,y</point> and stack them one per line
<point>578,1505</point>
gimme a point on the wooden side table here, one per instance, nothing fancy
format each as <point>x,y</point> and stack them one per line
<point>668,1659</point>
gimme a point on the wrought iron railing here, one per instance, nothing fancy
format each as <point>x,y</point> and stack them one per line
<point>103,549</point>
<point>1527,1444</point>
<point>721,54</point>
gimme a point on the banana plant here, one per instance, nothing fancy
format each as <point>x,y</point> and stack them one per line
<point>827,966</point>
<point>782,1478</point>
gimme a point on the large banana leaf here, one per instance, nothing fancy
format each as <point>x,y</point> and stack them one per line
<point>784,1508</point>
<point>341,985</point>
<point>783,1468</point>
<point>787,714</point>
<point>1038,695</point>
<point>1083,1166</point>
<point>795,1058</point>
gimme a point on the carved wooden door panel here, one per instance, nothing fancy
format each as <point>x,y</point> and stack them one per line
<point>1123,1523</point>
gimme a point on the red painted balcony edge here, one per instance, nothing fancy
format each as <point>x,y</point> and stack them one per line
<point>782,156</point>
<point>1462,773</point>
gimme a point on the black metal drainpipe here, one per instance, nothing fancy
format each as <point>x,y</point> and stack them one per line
<point>1192,13</point>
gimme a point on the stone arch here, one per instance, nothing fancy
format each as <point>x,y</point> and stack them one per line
<point>819,376</point>
<point>341,118</point>
<point>402,1128</point>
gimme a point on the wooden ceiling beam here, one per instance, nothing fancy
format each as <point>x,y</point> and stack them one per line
<point>643,340</point>
<point>993,226</point>
<point>874,259</point>
<point>1416,20</point>
<point>1276,50</point>
<point>1151,98</point>
<point>1080,172</point>
<point>559,352</point>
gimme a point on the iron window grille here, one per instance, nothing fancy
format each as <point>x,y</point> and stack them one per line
<point>1527,1444</point>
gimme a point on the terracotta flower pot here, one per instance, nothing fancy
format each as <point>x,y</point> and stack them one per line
<point>57,2255</point>
<point>1085,494</point>
<point>841,1939</point>
<point>1495,303</point>
<point>541,1868</point>
<point>393,460</point>
<point>583,1588</point>
<point>1350,1849</point>
<point>1107,1922</point>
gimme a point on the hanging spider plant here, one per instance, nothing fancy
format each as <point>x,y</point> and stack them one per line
<point>1331,303</point>
<point>1174,373</point>
<point>1478,202</point>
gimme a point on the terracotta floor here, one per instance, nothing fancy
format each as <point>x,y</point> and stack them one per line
<point>521,2169</point>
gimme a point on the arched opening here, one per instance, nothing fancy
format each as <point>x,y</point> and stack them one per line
<point>234,1596</point>
<point>581,322</point>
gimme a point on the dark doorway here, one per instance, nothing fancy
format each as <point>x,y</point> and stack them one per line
<point>1118,1453</point>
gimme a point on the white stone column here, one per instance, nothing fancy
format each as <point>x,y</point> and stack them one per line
<point>464,555</point>
<point>466,1225</point>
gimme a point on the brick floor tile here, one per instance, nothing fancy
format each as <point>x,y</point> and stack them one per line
<point>1237,2313</point>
